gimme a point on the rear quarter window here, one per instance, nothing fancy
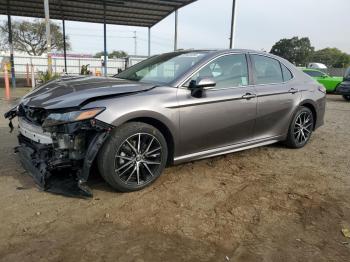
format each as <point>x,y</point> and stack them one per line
<point>287,75</point>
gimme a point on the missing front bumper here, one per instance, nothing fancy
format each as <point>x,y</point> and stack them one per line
<point>58,157</point>
<point>67,184</point>
<point>64,177</point>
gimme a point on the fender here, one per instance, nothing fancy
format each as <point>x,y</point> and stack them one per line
<point>308,101</point>
<point>151,115</point>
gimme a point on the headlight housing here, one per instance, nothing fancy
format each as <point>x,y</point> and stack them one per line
<point>55,119</point>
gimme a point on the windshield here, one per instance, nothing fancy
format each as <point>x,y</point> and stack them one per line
<point>162,69</point>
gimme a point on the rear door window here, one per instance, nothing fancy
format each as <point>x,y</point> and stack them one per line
<point>266,70</point>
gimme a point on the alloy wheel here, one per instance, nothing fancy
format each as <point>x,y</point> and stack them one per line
<point>303,127</point>
<point>138,158</point>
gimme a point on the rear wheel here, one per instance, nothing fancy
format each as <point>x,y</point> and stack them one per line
<point>346,97</point>
<point>301,128</point>
<point>133,157</point>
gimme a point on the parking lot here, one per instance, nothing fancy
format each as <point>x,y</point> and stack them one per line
<point>264,204</point>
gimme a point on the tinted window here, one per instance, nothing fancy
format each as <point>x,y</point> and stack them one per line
<point>266,70</point>
<point>314,73</point>
<point>287,75</point>
<point>227,71</point>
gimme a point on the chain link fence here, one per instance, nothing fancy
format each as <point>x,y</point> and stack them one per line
<point>336,71</point>
<point>24,65</point>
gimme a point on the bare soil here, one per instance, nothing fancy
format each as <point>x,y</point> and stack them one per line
<point>264,204</point>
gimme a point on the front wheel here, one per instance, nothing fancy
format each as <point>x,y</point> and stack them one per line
<point>133,157</point>
<point>346,97</point>
<point>300,128</point>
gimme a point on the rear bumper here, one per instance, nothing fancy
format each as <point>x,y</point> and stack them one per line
<point>320,112</point>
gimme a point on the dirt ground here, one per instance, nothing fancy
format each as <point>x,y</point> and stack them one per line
<point>264,204</point>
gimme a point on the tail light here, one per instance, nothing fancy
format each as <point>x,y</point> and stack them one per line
<point>322,89</point>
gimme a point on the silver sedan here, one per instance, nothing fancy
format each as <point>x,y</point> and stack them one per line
<point>168,109</point>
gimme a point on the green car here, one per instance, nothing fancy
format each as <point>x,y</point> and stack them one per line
<point>329,82</point>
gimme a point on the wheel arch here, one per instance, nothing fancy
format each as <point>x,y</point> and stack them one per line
<point>165,123</point>
<point>163,128</point>
<point>310,105</point>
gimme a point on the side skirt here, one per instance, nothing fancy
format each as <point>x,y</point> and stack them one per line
<point>227,149</point>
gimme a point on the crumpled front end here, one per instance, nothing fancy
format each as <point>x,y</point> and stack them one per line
<point>57,148</point>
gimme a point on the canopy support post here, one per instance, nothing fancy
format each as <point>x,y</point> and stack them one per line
<point>175,36</point>
<point>13,75</point>
<point>149,41</point>
<point>104,39</point>
<point>48,36</point>
<point>64,45</point>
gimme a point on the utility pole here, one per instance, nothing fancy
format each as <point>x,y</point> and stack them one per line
<point>135,42</point>
<point>233,25</point>
<point>48,36</point>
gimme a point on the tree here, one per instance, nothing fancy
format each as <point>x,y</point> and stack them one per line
<point>295,50</point>
<point>30,37</point>
<point>331,57</point>
<point>113,54</point>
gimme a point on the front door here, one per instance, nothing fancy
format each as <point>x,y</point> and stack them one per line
<point>224,115</point>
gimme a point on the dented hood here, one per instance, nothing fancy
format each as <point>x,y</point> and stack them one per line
<point>74,91</point>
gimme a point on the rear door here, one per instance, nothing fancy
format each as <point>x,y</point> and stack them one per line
<point>277,96</point>
<point>225,114</point>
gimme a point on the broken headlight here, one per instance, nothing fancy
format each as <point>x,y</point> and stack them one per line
<point>54,119</point>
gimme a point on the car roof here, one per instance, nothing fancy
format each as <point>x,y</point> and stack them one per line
<point>312,69</point>
<point>221,51</point>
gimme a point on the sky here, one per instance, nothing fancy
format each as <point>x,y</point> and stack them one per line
<point>206,24</point>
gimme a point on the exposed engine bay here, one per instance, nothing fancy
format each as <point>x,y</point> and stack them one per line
<point>59,141</point>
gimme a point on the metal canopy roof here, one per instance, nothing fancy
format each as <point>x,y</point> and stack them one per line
<point>145,13</point>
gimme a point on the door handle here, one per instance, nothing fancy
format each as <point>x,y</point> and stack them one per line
<point>293,90</point>
<point>248,96</point>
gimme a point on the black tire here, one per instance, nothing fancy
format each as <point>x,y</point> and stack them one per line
<point>122,148</point>
<point>346,97</point>
<point>301,128</point>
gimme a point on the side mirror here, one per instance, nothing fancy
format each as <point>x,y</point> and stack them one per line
<point>197,86</point>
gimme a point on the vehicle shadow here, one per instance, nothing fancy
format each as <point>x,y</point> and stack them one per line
<point>96,182</point>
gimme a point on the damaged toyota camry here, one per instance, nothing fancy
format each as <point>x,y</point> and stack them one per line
<point>168,109</point>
